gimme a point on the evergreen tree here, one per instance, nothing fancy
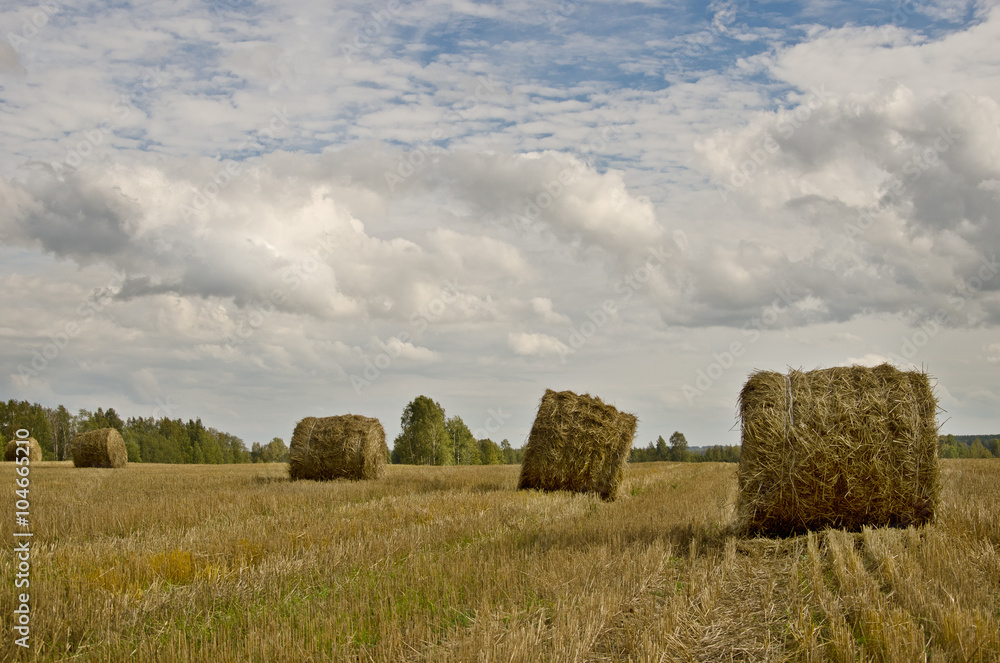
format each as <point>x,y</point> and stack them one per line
<point>644,455</point>
<point>662,452</point>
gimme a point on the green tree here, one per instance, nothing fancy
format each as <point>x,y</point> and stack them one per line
<point>662,452</point>
<point>679,448</point>
<point>994,447</point>
<point>949,447</point>
<point>511,456</point>
<point>63,430</point>
<point>179,444</point>
<point>276,451</point>
<point>100,419</point>
<point>31,416</point>
<point>464,447</point>
<point>235,449</point>
<point>154,446</point>
<point>423,439</point>
<point>977,450</point>
<point>132,447</point>
<point>643,455</point>
<point>489,453</point>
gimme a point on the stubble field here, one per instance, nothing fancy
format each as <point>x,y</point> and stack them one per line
<point>236,563</point>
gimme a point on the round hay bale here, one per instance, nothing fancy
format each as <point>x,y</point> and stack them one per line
<point>577,443</point>
<point>838,447</point>
<point>34,450</point>
<point>99,448</point>
<point>349,446</point>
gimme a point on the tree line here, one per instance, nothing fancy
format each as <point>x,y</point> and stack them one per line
<point>428,437</point>
<point>679,452</point>
<point>147,439</point>
<point>950,446</point>
<point>968,446</point>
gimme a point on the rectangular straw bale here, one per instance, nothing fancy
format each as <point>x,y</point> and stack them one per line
<point>839,447</point>
<point>577,443</point>
<point>34,451</point>
<point>103,447</point>
<point>349,446</point>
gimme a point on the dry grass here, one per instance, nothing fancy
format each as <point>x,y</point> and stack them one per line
<point>237,563</point>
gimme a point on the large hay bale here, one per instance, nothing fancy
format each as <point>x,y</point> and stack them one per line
<point>34,450</point>
<point>349,446</point>
<point>577,443</point>
<point>837,447</point>
<point>99,448</point>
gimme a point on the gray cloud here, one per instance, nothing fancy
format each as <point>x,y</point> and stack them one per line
<point>896,193</point>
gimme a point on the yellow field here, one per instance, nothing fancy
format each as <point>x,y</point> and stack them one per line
<point>236,563</point>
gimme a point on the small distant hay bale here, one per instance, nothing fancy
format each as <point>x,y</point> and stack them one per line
<point>577,443</point>
<point>838,447</point>
<point>34,450</point>
<point>99,448</point>
<point>349,446</point>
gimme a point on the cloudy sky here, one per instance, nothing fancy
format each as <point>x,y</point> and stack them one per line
<point>254,211</point>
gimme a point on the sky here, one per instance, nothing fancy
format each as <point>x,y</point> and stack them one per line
<point>252,212</point>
